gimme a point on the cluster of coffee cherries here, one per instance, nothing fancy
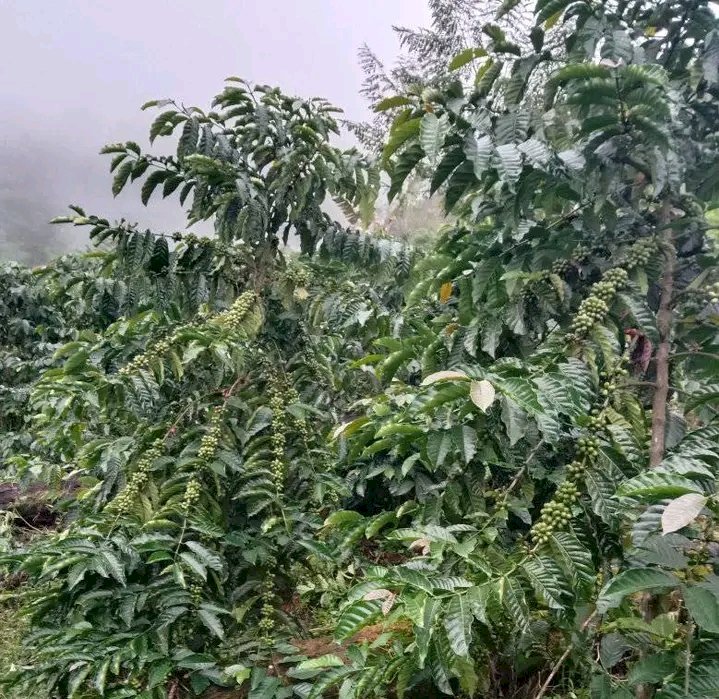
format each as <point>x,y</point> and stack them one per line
<point>235,314</point>
<point>279,428</point>
<point>640,253</point>
<point>580,254</point>
<point>609,381</point>
<point>298,274</point>
<point>208,447</point>
<point>557,513</point>
<point>193,490</point>
<point>192,239</point>
<point>123,502</point>
<point>267,613</point>
<point>142,361</point>
<point>196,589</point>
<point>588,446</point>
<point>158,350</point>
<point>595,307</point>
<point>591,311</point>
<point>712,293</point>
<point>561,267</point>
<point>211,439</point>
<point>298,277</point>
<point>310,360</point>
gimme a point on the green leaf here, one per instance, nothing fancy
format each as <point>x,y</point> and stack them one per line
<point>77,679</point>
<point>630,581</point>
<point>458,623</point>
<point>113,566</point>
<point>354,617</point>
<point>653,669</point>
<point>101,677</point>
<point>479,152</point>
<point>612,648</point>
<point>161,123</point>
<point>405,164</point>
<point>514,419</point>
<point>451,160</point>
<point>151,183</point>
<point>208,558</point>
<point>575,558</point>
<point>400,133</point>
<point>211,621</point>
<point>510,161</point>
<point>642,315</point>
<point>158,672</point>
<point>194,565</point>
<point>391,102</point>
<point>432,133</point>
<point>464,57</point>
<point>466,440</point>
<point>547,580</point>
<point>121,177</point>
<point>656,485</point>
<point>703,606</point>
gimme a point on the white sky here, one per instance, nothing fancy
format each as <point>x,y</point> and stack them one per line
<point>75,72</point>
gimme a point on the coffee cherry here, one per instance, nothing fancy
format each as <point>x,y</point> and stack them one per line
<point>560,267</point>
<point>712,293</point>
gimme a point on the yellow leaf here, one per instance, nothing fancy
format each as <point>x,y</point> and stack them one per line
<point>553,19</point>
<point>445,292</point>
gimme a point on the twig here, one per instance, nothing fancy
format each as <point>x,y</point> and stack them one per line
<point>564,656</point>
<point>522,470</point>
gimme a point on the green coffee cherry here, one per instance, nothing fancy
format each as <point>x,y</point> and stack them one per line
<point>233,317</point>
<point>640,253</point>
<point>712,293</point>
<point>124,501</point>
<point>193,490</point>
<point>561,267</point>
<point>580,254</point>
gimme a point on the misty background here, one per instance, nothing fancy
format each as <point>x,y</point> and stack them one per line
<point>75,74</point>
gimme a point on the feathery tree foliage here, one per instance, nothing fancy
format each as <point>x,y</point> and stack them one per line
<point>486,471</point>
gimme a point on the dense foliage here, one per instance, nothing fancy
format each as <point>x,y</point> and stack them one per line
<point>486,470</point>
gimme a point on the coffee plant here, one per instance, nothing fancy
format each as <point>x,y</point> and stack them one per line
<point>362,470</point>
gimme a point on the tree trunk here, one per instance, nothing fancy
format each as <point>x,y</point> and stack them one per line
<point>664,326</point>
<point>659,403</point>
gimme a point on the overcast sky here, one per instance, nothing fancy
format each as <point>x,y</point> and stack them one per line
<point>75,72</point>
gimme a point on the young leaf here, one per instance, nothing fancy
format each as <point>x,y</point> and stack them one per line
<point>444,376</point>
<point>682,511</point>
<point>482,394</point>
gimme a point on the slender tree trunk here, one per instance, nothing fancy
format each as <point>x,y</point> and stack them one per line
<point>659,403</point>
<point>664,326</point>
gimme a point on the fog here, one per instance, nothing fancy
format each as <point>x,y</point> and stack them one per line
<point>76,72</point>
